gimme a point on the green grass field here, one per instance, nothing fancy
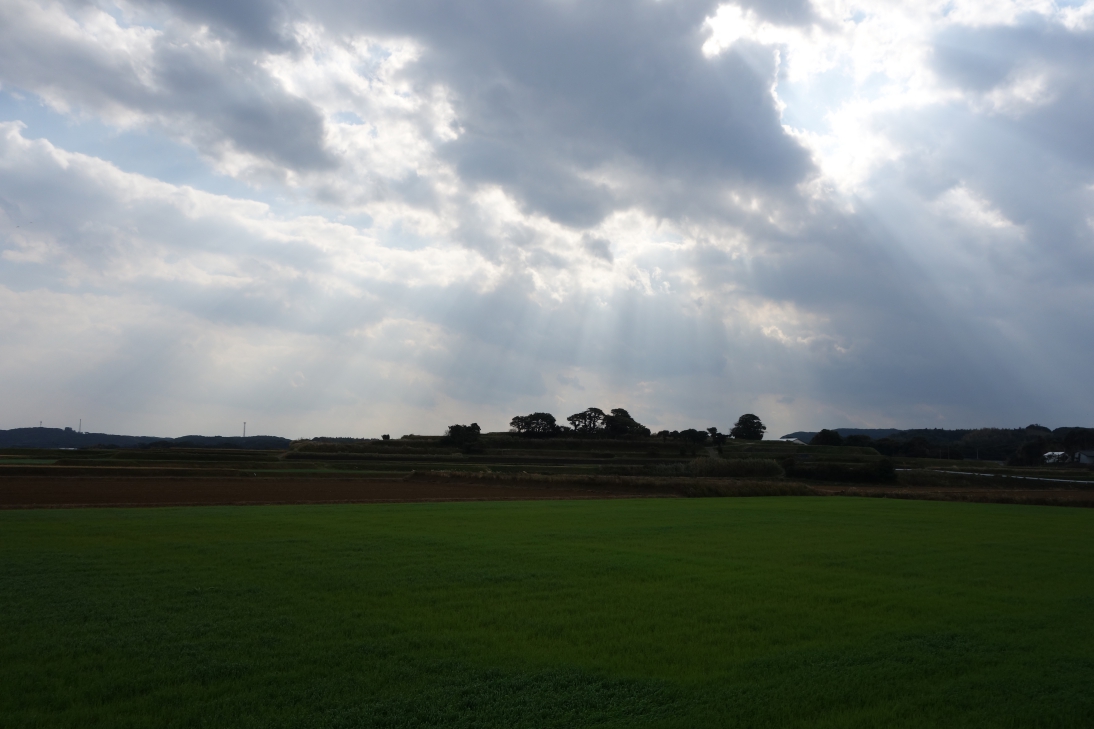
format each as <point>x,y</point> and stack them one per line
<point>631,613</point>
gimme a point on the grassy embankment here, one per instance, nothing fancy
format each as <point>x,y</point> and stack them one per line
<point>659,613</point>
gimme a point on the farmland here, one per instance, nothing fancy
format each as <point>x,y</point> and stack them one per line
<point>500,466</point>
<point>637,612</point>
<point>540,583</point>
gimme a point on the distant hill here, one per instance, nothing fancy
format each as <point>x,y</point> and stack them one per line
<point>807,435</point>
<point>68,438</point>
<point>1021,446</point>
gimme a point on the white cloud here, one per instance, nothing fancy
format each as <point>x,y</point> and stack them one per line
<point>966,206</point>
<point>841,211</point>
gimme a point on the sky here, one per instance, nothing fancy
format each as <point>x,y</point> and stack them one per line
<point>357,218</point>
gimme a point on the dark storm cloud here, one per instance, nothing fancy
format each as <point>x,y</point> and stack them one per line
<point>930,308</point>
<point>259,23</point>
<point>987,59</point>
<point>1033,157</point>
<point>239,102</point>
<point>899,337</point>
<point>547,93</point>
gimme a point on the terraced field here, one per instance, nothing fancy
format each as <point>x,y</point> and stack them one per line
<point>502,466</point>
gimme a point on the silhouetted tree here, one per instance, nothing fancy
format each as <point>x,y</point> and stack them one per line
<point>917,447</point>
<point>462,435</point>
<point>718,438</point>
<point>692,439</point>
<point>620,423</point>
<point>1031,453</point>
<point>587,422</point>
<point>827,438</point>
<point>693,436</point>
<point>748,427</point>
<point>1078,439</point>
<point>861,440</point>
<point>886,446</point>
<point>951,453</point>
<point>536,424</point>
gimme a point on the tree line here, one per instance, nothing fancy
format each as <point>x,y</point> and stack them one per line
<point>616,423</point>
<point>1017,446</point>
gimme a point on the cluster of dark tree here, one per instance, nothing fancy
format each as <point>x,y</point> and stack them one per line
<point>616,423</point>
<point>462,435</point>
<point>748,427</point>
<point>693,436</point>
<point>591,422</point>
<point>691,439</point>
<point>1017,446</point>
<point>1071,443</point>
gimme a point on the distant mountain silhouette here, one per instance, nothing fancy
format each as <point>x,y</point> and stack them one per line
<point>68,438</point>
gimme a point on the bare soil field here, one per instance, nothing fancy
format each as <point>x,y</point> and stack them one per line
<point>68,491</point>
<point>23,492</point>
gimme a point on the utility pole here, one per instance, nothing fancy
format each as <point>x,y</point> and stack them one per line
<point>80,429</point>
<point>244,428</point>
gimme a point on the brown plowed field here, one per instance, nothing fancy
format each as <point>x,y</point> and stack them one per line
<point>27,492</point>
<point>44,492</point>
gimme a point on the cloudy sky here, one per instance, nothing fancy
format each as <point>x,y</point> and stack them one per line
<point>355,218</point>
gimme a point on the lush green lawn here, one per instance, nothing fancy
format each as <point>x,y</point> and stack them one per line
<point>685,613</point>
